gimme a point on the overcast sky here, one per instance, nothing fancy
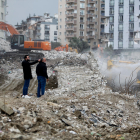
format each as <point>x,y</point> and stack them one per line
<point>20,9</point>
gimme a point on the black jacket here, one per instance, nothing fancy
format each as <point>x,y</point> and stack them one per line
<point>41,70</point>
<point>27,69</point>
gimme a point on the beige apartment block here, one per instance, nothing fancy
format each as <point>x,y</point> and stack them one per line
<point>82,19</point>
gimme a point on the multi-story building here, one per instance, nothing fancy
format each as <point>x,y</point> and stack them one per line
<point>124,25</point>
<point>40,28</point>
<point>83,19</point>
<point>3,13</point>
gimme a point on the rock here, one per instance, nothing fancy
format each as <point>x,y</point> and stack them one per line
<point>15,130</point>
<point>93,110</point>
<point>77,114</point>
<point>85,108</point>
<point>72,132</point>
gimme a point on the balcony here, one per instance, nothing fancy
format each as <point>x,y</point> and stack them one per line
<point>71,1</point>
<point>90,8</point>
<point>71,15</point>
<point>38,34</point>
<point>103,2</point>
<point>89,36</point>
<point>90,14</point>
<point>71,8</point>
<point>70,35</point>
<point>71,29</point>
<point>91,1</point>
<point>81,21</point>
<point>38,28</point>
<point>90,22</point>
<point>90,29</point>
<point>71,21</point>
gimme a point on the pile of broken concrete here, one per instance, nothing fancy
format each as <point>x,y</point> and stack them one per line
<point>79,107</point>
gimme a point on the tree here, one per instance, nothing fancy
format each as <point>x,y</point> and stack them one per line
<point>79,44</point>
<point>55,44</point>
<point>108,51</point>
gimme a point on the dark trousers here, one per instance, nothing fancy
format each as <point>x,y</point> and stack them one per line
<point>25,87</point>
<point>41,85</point>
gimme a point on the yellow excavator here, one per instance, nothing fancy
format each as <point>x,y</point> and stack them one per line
<point>125,67</point>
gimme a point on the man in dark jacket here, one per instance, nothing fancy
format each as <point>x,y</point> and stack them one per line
<point>41,71</point>
<point>27,74</point>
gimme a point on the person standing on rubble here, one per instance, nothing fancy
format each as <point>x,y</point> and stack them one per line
<point>41,71</point>
<point>27,74</point>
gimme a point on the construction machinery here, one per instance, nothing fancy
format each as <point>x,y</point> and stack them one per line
<point>128,73</point>
<point>24,47</point>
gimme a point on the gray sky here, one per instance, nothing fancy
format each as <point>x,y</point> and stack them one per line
<point>20,9</point>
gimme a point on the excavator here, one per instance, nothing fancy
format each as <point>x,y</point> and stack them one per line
<point>128,70</point>
<point>24,47</point>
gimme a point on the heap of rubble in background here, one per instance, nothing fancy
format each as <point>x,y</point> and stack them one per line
<point>4,45</point>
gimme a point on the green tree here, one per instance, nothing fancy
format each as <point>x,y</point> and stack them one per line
<point>55,45</point>
<point>79,44</point>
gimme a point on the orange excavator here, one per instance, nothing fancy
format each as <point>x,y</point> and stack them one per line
<point>19,42</point>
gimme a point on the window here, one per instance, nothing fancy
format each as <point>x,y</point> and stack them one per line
<point>139,24</point>
<point>111,11</point>
<point>60,13</point>
<point>131,26</point>
<point>59,33</point>
<point>94,43</point>
<point>111,2</point>
<point>121,2</point>
<point>88,40</point>
<point>131,18</point>
<point>1,16</point>
<point>131,44</point>
<point>47,27</point>
<point>60,19</point>
<point>120,10</point>
<point>47,38</point>
<point>121,18</point>
<point>82,12</point>
<point>47,32</point>
<point>120,35</point>
<point>120,26</point>
<point>60,26</point>
<point>111,44</point>
<point>55,38</point>
<point>2,3</point>
<point>56,27</point>
<point>81,33</point>
<point>131,35</point>
<point>55,32</point>
<point>131,1</point>
<point>111,19</point>
<point>82,5</point>
<point>60,6</point>
<point>81,26</point>
<point>111,27</point>
<point>111,35</point>
<point>120,44</point>
<point>131,10</point>
<point>139,7</point>
<point>22,39</point>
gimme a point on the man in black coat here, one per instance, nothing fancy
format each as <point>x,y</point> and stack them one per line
<point>27,74</point>
<point>41,71</point>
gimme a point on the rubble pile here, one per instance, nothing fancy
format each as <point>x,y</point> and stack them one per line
<point>4,45</point>
<point>80,106</point>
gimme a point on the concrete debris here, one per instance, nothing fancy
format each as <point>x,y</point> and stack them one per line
<point>4,45</point>
<point>77,103</point>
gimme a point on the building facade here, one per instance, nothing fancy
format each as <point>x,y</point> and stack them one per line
<point>3,13</point>
<point>40,28</point>
<point>123,25</point>
<point>83,19</point>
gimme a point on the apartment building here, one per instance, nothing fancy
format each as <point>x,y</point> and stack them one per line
<point>123,25</point>
<point>3,13</point>
<point>84,19</point>
<point>40,28</point>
